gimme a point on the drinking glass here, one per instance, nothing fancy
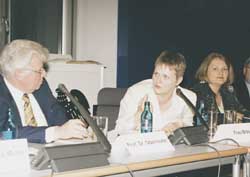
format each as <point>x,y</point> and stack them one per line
<point>102,123</point>
<point>212,123</point>
<point>229,117</point>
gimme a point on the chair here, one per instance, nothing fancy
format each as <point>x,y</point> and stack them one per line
<point>71,111</point>
<point>108,104</point>
<point>79,96</point>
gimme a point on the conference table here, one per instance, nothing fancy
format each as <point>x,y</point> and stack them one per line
<point>184,158</point>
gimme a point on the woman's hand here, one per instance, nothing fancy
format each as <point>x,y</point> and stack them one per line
<point>140,109</point>
<point>171,127</point>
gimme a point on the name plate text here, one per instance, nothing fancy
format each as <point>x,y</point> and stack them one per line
<point>140,143</point>
<point>14,157</point>
<point>238,132</point>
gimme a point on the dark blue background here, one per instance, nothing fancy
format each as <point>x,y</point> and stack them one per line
<point>194,28</point>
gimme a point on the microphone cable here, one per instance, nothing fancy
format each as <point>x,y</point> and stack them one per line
<point>130,171</point>
<point>246,171</point>
<point>218,154</point>
<point>226,139</point>
<point>52,170</point>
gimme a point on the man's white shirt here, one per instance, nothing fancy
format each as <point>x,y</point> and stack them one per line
<point>38,114</point>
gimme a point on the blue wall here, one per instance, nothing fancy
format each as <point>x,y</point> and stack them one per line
<point>194,28</point>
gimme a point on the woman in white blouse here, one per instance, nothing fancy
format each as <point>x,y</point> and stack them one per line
<point>169,110</point>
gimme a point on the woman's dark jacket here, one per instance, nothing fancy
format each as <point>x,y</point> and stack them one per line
<point>206,100</point>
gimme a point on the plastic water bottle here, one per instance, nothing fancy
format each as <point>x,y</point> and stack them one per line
<point>146,119</point>
<point>10,130</point>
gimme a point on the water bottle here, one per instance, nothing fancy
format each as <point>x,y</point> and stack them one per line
<point>10,129</point>
<point>146,119</point>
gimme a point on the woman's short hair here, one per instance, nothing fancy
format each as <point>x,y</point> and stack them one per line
<point>175,60</point>
<point>201,73</point>
<point>18,54</point>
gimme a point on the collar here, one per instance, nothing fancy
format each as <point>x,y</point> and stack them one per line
<point>13,90</point>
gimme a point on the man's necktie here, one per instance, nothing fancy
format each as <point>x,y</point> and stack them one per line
<point>28,112</point>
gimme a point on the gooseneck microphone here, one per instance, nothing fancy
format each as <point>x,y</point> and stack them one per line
<point>190,104</point>
<point>99,134</point>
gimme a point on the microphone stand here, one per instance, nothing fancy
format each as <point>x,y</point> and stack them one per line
<point>100,136</point>
<point>190,104</point>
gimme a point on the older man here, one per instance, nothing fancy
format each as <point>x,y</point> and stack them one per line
<point>36,113</point>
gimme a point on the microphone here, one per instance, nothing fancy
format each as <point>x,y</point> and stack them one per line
<point>190,104</point>
<point>99,134</point>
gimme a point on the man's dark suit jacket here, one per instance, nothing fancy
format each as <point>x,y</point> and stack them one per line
<point>242,93</point>
<point>52,110</point>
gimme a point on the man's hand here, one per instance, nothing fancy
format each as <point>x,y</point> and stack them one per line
<point>171,127</point>
<point>73,128</point>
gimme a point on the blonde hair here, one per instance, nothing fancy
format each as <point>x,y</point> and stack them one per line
<point>18,54</point>
<point>175,60</point>
<point>201,73</point>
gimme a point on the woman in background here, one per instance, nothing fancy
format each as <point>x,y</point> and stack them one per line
<point>214,90</point>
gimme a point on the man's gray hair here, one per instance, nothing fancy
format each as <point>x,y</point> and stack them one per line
<point>18,55</point>
<point>247,62</point>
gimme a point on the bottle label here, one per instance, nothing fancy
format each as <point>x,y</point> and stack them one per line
<point>146,119</point>
<point>146,126</point>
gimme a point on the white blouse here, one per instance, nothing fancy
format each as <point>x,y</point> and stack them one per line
<point>178,110</point>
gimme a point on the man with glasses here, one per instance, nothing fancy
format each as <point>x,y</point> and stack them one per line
<point>37,115</point>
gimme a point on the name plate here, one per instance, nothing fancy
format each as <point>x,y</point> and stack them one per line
<point>14,157</point>
<point>146,143</point>
<point>238,132</point>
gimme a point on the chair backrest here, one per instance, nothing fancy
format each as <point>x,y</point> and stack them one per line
<point>108,104</point>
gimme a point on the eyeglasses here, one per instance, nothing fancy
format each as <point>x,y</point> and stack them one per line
<point>40,71</point>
